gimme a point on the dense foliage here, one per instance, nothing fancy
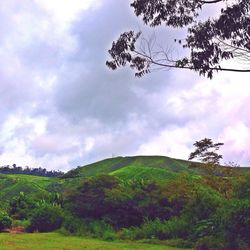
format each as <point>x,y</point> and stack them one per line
<point>46,218</point>
<point>5,220</point>
<point>195,210</point>
<point>209,41</point>
<point>189,210</point>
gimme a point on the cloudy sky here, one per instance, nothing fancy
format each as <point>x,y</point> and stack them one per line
<point>60,106</point>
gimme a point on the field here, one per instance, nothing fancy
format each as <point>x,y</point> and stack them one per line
<point>56,241</point>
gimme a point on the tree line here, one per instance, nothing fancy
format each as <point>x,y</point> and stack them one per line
<point>14,169</point>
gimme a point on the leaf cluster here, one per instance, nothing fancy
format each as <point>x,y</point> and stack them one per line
<point>206,151</point>
<point>210,42</point>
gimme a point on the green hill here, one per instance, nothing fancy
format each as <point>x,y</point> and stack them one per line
<point>157,168</point>
<point>135,167</point>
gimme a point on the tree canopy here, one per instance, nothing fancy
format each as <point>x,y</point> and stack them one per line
<point>206,151</point>
<point>209,42</point>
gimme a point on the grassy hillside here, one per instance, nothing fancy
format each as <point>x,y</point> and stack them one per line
<point>36,186</point>
<point>153,168</point>
<point>142,167</point>
<point>135,167</point>
<point>158,168</point>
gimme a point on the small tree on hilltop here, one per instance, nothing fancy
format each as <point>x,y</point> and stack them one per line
<point>206,152</point>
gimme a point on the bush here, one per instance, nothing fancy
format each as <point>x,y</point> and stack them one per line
<point>74,225</point>
<point>100,229</point>
<point>209,243</point>
<point>203,228</point>
<point>89,227</point>
<point>46,219</point>
<point>5,221</point>
<point>203,205</point>
<point>20,206</point>
<point>21,223</point>
<point>174,228</point>
<point>237,226</point>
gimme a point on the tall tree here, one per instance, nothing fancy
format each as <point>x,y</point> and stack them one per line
<point>209,42</point>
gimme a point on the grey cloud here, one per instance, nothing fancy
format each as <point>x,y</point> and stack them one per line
<point>87,88</point>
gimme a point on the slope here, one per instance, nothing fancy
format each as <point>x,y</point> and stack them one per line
<point>36,186</point>
<point>135,167</point>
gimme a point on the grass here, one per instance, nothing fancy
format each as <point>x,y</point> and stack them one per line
<point>40,181</point>
<point>36,186</point>
<point>124,166</point>
<point>56,241</point>
<point>145,168</point>
<point>145,173</point>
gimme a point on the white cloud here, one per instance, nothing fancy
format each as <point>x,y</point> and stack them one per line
<point>66,11</point>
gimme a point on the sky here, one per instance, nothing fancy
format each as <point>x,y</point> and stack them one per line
<point>61,107</point>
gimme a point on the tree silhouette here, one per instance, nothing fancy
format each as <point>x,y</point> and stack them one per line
<point>206,152</point>
<point>209,42</point>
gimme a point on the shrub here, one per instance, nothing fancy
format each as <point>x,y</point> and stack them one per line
<point>203,205</point>
<point>174,228</point>
<point>100,229</point>
<point>237,226</point>
<point>21,223</point>
<point>20,206</point>
<point>89,227</point>
<point>209,243</point>
<point>5,221</point>
<point>203,228</point>
<point>46,219</point>
<point>242,187</point>
<point>74,225</point>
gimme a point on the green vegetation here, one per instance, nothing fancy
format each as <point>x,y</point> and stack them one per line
<point>139,167</point>
<point>46,218</point>
<point>5,221</point>
<point>34,187</point>
<point>209,40</point>
<point>134,198</point>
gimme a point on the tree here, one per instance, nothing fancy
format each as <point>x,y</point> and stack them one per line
<point>5,221</point>
<point>46,218</point>
<point>206,152</point>
<point>209,42</point>
<point>21,206</point>
<point>102,197</point>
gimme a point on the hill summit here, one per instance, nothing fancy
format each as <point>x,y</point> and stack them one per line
<point>133,167</point>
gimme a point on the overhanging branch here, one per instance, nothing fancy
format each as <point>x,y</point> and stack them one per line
<point>154,62</point>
